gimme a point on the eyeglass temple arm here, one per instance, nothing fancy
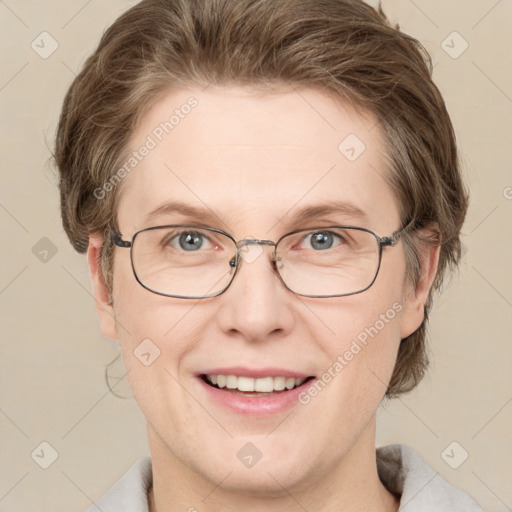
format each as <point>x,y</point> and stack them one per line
<point>117,238</point>
<point>395,237</point>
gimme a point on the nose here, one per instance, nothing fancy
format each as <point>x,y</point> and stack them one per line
<point>256,306</point>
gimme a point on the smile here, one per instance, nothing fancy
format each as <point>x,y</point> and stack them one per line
<point>253,391</point>
<point>264,386</point>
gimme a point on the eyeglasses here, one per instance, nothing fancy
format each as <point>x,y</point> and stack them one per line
<point>196,262</point>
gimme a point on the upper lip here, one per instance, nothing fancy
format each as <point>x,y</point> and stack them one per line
<point>255,373</point>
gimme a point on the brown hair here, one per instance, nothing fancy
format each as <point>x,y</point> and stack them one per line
<point>344,47</point>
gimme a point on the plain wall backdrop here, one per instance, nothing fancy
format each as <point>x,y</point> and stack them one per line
<point>53,356</point>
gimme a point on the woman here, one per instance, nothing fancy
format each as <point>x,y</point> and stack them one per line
<point>268,192</point>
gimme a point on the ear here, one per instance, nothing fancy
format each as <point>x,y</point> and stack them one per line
<point>101,295</point>
<point>416,298</point>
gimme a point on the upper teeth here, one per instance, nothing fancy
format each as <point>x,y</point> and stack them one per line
<point>264,384</point>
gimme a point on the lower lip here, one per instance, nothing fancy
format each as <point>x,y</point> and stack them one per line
<point>255,405</point>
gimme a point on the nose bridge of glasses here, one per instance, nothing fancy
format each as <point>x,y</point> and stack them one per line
<point>253,241</point>
<point>251,256</point>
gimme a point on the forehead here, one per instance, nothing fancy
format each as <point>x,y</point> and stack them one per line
<point>254,157</point>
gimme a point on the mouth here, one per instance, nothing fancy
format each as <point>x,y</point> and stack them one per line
<point>254,387</point>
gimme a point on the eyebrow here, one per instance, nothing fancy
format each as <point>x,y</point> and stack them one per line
<point>330,208</point>
<point>306,213</point>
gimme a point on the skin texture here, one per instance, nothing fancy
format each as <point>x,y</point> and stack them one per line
<point>254,159</point>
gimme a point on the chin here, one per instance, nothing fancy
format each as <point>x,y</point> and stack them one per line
<point>269,481</point>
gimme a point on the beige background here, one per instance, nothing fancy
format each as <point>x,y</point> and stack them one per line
<point>53,355</point>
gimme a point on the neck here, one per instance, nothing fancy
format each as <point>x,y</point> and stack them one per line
<point>352,486</point>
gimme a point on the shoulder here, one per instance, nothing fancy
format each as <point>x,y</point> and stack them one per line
<point>422,489</point>
<point>130,493</point>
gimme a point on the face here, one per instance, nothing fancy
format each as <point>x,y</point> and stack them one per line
<point>252,162</point>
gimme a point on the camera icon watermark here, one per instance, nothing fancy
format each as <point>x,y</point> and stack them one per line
<point>44,250</point>
<point>147,352</point>
<point>454,455</point>
<point>507,193</point>
<point>351,147</point>
<point>249,455</point>
<point>44,45</point>
<point>454,45</point>
<point>44,455</point>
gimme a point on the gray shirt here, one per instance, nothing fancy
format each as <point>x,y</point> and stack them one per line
<point>400,468</point>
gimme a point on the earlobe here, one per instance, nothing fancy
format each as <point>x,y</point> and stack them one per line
<point>417,297</point>
<point>101,295</point>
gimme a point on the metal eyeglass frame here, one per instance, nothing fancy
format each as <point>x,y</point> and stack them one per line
<point>386,241</point>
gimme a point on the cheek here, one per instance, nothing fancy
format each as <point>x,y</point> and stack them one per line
<point>154,345</point>
<point>367,327</point>
<point>167,328</point>
<point>140,313</point>
<point>359,363</point>
<point>365,351</point>
<point>155,333</point>
<point>356,380</point>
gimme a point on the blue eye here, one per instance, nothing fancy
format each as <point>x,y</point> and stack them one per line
<point>322,240</point>
<point>190,241</point>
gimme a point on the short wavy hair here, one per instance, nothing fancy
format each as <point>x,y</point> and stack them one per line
<point>343,47</point>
